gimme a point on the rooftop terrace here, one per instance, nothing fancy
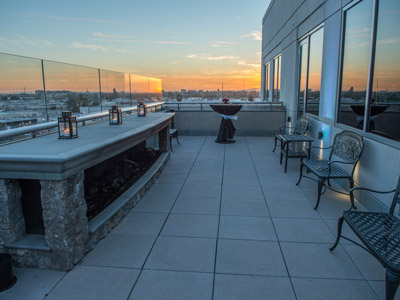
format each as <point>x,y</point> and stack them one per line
<point>222,222</point>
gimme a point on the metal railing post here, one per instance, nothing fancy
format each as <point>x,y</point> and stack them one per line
<point>44,93</point>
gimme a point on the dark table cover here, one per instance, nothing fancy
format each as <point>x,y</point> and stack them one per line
<point>226,128</point>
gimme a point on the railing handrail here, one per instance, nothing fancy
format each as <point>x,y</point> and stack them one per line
<point>48,125</point>
<point>246,103</point>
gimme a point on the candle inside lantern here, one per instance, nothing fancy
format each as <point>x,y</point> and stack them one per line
<point>115,120</point>
<point>66,132</point>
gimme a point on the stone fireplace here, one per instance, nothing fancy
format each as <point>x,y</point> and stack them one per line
<point>56,207</point>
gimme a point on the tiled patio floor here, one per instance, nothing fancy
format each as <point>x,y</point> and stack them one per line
<point>223,222</point>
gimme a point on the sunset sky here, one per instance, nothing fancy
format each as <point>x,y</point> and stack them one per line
<point>188,44</point>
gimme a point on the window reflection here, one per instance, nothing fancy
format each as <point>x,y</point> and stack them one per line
<point>314,72</point>
<point>277,78</point>
<point>385,98</point>
<point>303,75</point>
<point>357,44</point>
<point>267,79</point>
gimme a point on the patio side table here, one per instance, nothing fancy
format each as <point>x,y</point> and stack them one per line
<point>288,147</point>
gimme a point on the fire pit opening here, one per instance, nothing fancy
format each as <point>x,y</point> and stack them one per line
<point>106,181</point>
<point>32,206</point>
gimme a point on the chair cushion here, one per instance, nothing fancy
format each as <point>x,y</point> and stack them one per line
<point>380,232</point>
<point>321,169</point>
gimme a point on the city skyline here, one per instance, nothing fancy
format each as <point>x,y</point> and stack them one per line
<point>187,45</point>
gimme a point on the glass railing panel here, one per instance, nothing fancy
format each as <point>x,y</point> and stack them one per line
<point>112,89</point>
<point>71,87</point>
<point>21,92</point>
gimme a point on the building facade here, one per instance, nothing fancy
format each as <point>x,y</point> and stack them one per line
<point>338,62</point>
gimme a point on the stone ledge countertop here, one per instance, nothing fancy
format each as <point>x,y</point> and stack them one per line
<point>50,158</point>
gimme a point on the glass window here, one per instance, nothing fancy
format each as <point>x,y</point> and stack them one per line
<point>357,44</point>
<point>267,79</point>
<point>277,78</point>
<point>384,114</point>
<point>303,75</point>
<point>314,72</point>
<point>382,93</point>
<point>311,49</point>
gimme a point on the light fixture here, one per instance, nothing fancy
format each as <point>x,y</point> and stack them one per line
<point>115,115</point>
<point>141,109</point>
<point>67,126</point>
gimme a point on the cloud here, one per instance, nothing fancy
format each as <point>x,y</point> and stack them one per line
<point>221,44</point>
<point>394,40</point>
<point>90,20</point>
<point>129,39</point>
<point>87,46</point>
<point>243,63</point>
<point>209,57</point>
<point>255,34</point>
<point>34,42</point>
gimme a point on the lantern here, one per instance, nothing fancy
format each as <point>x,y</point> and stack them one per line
<point>141,109</point>
<point>67,126</point>
<point>115,115</point>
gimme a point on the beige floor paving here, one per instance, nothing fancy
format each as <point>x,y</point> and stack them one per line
<point>222,222</point>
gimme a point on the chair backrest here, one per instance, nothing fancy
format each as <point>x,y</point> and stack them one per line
<point>396,198</point>
<point>301,125</point>
<point>348,146</point>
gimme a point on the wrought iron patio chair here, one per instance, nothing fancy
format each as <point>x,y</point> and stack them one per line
<point>300,129</point>
<point>346,149</point>
<point>379,233</point>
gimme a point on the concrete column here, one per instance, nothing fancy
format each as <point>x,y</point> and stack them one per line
<point>65,221</point>
<point>12,222</point>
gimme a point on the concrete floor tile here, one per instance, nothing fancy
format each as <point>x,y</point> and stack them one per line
<point>141,224</point>
<point>241,191</point>
<point>288,193</point>
<point>241,287</point>
<point>120,250</point>
<point>379,288</point>
<point>251,180</point>
<point>204,179</point>
<point>155,204</point>
<point>197,205</point>
<point>316,261</point>
<point>292,209</point>
<point>303,230</point>
<point>97,283</point>
<point>244,207</point>
<point>246,228</point>
<point>201,190</point>
<point>165,285</point>
<point>331,289</point>
<point>366,263</point>
<point>182,254</point>
<point>250,258</point>
<point>168,178</point>
<point>190,225</point>
<point>32,284</point>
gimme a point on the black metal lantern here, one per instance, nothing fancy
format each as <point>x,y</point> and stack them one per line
<point>67,126</point>
<point>115,115</point>
<point>141,109</point>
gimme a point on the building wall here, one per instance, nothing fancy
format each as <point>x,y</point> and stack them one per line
<point>284,24</point>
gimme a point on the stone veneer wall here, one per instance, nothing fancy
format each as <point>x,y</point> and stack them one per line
<point>64,204</point>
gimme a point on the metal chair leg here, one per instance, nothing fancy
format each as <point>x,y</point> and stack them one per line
<point>170,143</point>
<point>351,181</point>
<point>276,138</point>
<point>392,283</point>
<point>301,173</point>
<point>321,182</point>
<point>339,232</point>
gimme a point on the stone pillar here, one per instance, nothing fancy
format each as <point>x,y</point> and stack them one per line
<point>65,221</point>
<point>163,139</point>
<point>12,222</point>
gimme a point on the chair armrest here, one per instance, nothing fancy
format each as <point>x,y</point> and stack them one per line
<point>341,162</point>
<point>371,190</point>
